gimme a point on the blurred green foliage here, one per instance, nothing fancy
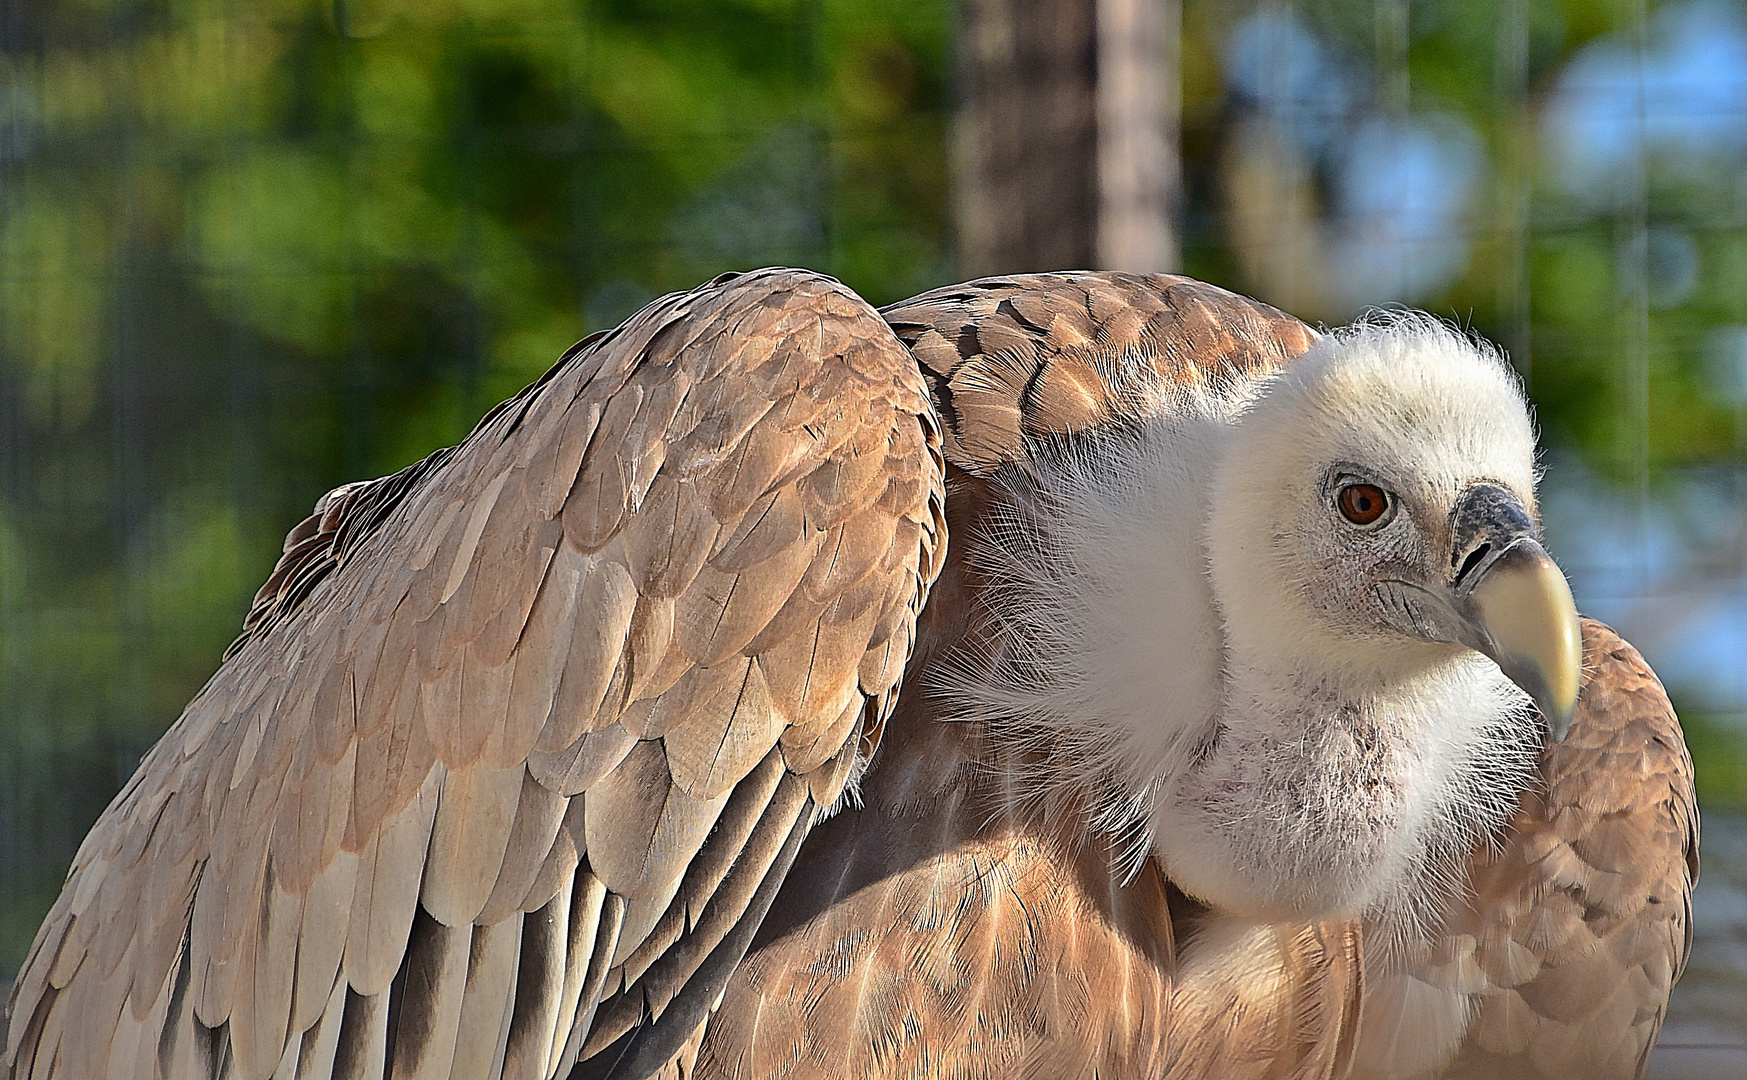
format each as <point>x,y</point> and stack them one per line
<point>252,249</point>
<point>1719,757</point>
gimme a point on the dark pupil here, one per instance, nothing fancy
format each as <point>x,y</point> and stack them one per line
<point>1362,503</point>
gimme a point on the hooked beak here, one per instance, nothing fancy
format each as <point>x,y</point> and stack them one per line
<point>1508,600</point>
<point>1520,613</point>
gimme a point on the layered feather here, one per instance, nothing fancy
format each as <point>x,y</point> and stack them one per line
<point>438,813</point>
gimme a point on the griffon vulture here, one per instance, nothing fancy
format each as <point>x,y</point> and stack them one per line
<point>658,729</point>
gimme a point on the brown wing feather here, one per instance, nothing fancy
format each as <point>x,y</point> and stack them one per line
<point>465,797</point>
<point>997,951</point>
<point>1578,924</point>
<point>1036,355</point>
<point>946,929</point>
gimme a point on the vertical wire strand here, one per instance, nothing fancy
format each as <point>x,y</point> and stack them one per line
<point>358,381</point>
<point>1735,371</point>
<point>470,267</point>
<point>1632,259</point>
<point>576,74</point>
<point>130,474</point>
<point>244,492</point>
<point>821,151</point>
<point>1391,45</point>
<point>1515,187</point>
<point>1279,257</point>
<point>1390,20</point>
<point>15,842</point>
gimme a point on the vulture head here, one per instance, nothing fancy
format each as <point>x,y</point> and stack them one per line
<point>1299,647</point>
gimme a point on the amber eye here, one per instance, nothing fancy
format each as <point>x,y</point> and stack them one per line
<point>1363,504</point>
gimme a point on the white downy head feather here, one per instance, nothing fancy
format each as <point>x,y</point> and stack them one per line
<point>1187,631</point>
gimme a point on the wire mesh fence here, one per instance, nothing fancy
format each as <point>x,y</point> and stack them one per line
<point>252,249</point>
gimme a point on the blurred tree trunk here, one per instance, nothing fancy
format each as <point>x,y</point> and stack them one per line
<point>1066,137</point>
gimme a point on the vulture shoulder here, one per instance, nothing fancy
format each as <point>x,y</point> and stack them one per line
<point>517,743</point>
<point>1571,929</point>
<point>1037,356</point>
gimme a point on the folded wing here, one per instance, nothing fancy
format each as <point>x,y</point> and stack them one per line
<point>518,743</point>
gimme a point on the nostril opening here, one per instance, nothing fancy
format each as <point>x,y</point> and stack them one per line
<point>1472,561</point>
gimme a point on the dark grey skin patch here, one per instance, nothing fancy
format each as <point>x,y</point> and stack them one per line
<point>1483,515</point>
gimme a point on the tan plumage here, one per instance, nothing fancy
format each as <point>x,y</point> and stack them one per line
<point>513,739</point>
<point>519,744</point>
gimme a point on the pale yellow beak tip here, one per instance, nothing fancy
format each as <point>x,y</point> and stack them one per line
<point>1525,610</point>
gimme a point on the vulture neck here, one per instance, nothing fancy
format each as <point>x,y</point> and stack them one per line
<point>1345,775</point>
<point>1274,768</point>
